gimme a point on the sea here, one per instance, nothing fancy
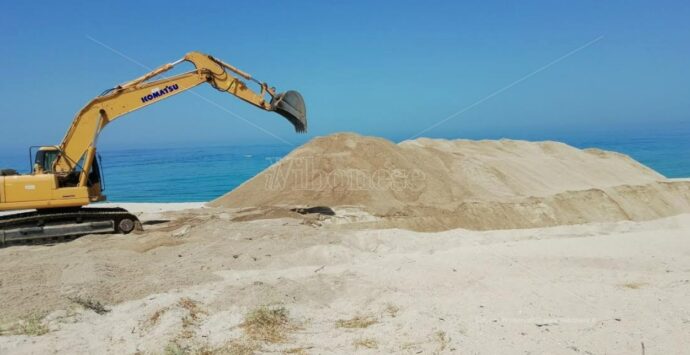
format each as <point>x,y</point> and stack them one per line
<point>205,173</point>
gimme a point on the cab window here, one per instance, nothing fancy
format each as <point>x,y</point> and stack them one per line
<point>45,159</point>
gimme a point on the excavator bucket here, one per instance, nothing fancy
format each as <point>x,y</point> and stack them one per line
<point>290,105</point>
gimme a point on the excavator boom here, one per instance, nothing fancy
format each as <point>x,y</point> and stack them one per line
<point>142,92</point>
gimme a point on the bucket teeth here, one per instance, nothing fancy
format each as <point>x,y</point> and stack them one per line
<point>290,105</point>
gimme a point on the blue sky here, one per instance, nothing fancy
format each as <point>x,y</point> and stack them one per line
<point>381,68</point>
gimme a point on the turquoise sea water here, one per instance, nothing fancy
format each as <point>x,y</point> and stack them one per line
<point>202,174</point>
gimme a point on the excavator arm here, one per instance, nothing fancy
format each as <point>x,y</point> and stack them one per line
<point>78,146</point>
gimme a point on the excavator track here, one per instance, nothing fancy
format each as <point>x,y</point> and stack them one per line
<point>55,226</point>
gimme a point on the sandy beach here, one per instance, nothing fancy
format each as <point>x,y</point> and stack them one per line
<point>594,288</point>
<point>508,247</point>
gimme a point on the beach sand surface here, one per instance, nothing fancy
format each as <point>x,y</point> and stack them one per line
<point>192,282</point>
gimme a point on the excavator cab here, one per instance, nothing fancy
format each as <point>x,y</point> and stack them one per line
<point>45,160</point>
<point>290,105</point>
<point>45,157</point>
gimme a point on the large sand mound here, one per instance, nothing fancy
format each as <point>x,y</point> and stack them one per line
<point>430,184</point>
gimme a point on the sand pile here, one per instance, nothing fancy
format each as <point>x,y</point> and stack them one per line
<point>430,184</point>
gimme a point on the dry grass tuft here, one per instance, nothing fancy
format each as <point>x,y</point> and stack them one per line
<point>189,322</point>
<point>239,348</point>
<point>89,303</point>
<point>367,343</point>
<point>442,339</point>
<point>187,303</point>
<point>268,324</point>
<point>194,312</point>
<point>634,285</point>
<point>31,325</point>
<point>232,348</point>
<point>356,322</point>
<point>174,348</point>
<point>191,306</point>
<point>264,324</point>
<point>392,310</point>
<point>156,316</point>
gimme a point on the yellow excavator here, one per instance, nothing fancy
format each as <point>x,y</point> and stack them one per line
<point>67,177</point>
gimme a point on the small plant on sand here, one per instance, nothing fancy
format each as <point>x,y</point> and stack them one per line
<point>367,343</point>
<point>442,339</point>
<point>174,348</point>
<point>265,324</point>
<point>194,312</point>
<point>392,310</point>
<point>356,322</point>
<point>297,351</point>
<point>189,304</point>
<point>634,285</point>
<point>238,348</point>
<point>155,317</point>
<point>32,325</point>
<point>192,318</point>
<point>89,303</point>
<point>268,324</point>
<point>232,348</point>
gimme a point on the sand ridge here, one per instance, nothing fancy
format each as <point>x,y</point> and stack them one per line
<point>432,185</point>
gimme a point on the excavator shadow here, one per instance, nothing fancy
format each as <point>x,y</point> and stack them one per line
<point>154,222</point>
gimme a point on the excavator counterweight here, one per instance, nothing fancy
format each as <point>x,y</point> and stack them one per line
<point>67,177</point>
